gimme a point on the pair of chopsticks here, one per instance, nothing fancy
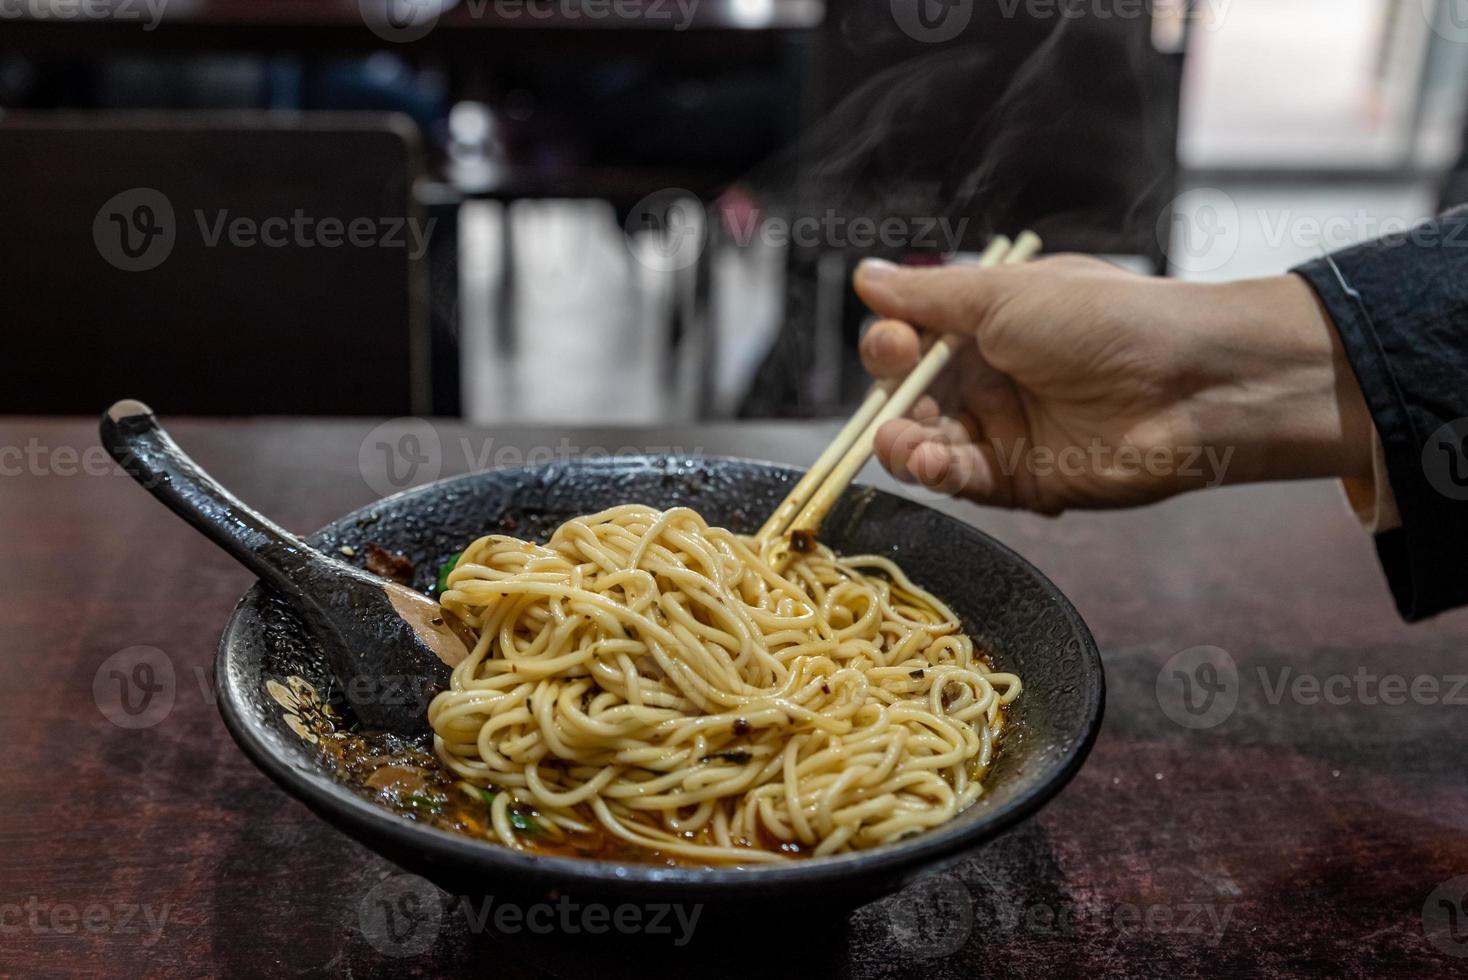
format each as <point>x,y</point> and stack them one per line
<point>806,505</point>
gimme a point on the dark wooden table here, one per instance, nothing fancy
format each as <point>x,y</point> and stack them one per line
<point>1302,834</point>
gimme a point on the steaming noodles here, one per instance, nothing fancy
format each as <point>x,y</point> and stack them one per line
<point>709,698</point>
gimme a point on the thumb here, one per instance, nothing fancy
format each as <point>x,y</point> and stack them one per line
<point>952,299</point>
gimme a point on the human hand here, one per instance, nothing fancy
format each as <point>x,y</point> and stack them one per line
<point>1081,385</point>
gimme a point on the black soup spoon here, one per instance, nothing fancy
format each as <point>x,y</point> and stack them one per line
<point>390,647</point>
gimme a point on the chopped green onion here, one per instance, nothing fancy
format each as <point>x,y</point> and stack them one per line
<point>525,824</point>
<point>427,804</point>
<point>442,585</point>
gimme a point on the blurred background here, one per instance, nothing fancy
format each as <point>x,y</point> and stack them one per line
<point>647,211</point>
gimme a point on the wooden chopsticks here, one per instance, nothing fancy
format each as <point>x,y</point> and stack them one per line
<point>806,505</point>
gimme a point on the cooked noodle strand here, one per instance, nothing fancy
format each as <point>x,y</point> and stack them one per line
<point>665,681</point>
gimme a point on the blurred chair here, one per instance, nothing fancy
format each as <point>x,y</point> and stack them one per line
<point>210,264</point>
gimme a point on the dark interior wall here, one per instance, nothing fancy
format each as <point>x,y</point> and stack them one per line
<point>126,279</point>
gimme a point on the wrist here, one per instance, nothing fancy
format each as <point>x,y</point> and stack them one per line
<point>1275,384</point>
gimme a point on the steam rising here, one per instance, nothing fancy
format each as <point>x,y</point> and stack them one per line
<point>1063,125</point>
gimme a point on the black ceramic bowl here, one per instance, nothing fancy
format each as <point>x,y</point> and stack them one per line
<point>1008,607</point>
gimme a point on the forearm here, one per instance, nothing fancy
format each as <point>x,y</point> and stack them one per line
<point>1274,385</point>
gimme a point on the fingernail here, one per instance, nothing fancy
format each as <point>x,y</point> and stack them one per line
<point>876,270</point>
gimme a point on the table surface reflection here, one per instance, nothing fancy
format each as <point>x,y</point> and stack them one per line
<point>1318,827</point>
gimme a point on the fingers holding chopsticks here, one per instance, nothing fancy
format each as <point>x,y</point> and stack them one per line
<point>949,299</point>
<point>890,349</point>
<point>918,395</point>
<point>946,299</point>
<point>944,454</point>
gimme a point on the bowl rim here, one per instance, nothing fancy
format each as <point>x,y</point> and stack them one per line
<point>939,845</point>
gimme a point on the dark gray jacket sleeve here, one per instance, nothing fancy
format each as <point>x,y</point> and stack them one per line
<point>1400,305</point>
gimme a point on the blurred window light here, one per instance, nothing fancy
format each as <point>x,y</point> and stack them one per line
<point>751,13</point>
<point>1323,84</point>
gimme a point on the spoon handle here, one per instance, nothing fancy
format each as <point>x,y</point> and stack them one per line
<point>131,434</point>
